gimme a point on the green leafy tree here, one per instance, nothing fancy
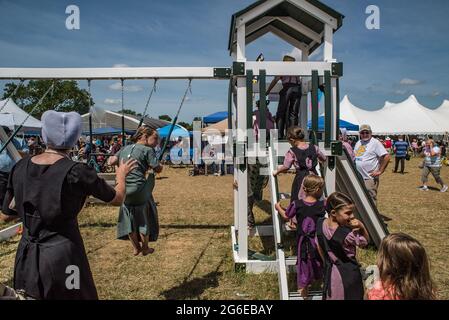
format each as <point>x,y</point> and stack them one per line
<point>66,96</point>
<point>165,117</point>
<point>186,125</point>
<point>130,112</point>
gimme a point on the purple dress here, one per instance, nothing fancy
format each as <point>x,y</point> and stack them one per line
<point>351,242</point>
<point>308,265</point>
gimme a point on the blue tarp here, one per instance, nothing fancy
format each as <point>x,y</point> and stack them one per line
<point>215,117</point>
<point>107,131</point>
<point>343,124</point>
<point>178,131</point>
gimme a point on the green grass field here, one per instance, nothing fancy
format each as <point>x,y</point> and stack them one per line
<point>193,258</point>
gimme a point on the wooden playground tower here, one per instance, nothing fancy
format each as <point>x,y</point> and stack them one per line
<point>306,25</point>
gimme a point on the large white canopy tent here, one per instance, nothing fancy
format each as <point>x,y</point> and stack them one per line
<point>407,117</point>
<point>9,107</point>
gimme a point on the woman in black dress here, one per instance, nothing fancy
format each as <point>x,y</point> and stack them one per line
<point>47,192</point>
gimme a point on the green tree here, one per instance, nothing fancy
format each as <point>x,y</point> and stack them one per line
<point>165,117</point>
<point>186,125</point>
<point>66,96</point>
<point>130,112</point>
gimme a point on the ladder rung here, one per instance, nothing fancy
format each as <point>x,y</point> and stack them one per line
<point>314,295</point>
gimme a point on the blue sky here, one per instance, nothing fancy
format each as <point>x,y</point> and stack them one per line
<point>408,55</point>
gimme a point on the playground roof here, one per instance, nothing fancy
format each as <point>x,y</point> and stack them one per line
<point>286,18</point>
<point>105,118</point>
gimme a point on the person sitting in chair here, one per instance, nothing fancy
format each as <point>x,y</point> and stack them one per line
<point>289,100</point>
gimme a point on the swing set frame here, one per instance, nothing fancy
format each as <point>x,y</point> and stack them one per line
<point>246,26</point>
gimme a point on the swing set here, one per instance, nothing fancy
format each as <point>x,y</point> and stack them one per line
<point>304,24</point>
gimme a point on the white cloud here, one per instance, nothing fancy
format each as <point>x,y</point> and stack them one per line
<point>118,86</point>
<point>401,92</point>
<point>120,65</point>
<point>435,94</point>
<point>410,82</point>
<point>112,101</point>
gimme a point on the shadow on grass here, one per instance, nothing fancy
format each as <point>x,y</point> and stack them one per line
<point>195,226</point>
<point>193,288</point>
<point>7,253</point>
<point>98,225</point>
<point>265,206</point>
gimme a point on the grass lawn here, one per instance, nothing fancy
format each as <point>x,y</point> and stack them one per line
<point>193,258</point>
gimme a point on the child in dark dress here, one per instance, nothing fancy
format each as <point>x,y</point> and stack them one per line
<point>307,212</point>
<point>338,237</point>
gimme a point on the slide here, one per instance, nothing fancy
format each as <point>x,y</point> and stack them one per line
<point>349,182</point>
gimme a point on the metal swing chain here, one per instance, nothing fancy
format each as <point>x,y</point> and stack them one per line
<point>27,117</point>
<point>148,103</point>
<point>12,94</point>
<point>175,119</point>
<point>123,114</point>
<point>189,89</point>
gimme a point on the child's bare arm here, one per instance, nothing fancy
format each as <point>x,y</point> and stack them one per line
<point>281,211</point>
<point>360,228</point>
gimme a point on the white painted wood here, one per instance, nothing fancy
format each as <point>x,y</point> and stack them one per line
<point>296,25</point>
<point>11,147</point>
<point>242,176</point>
<point>108,73</point>
<point>328,44</point>
<point>257,34</point>
<point>259,24</point>
<point>241,44</point>
<point>334,109</point>
<point>280,255</point>
<point>317,13</point>
<point>256,12</point>
<point>10,232</point>
<point>279,68</point>
<point>284,36</point>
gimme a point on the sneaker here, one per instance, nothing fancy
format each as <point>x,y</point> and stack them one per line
<point>444,189</point>
<point>424,188</point>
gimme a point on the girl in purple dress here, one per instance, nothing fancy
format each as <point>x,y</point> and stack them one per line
<point>338,237</point>
<point>303,156</point>
<point>307,212</point>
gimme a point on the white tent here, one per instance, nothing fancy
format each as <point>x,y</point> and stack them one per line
<point>19,115</point>
<point>407,117</point>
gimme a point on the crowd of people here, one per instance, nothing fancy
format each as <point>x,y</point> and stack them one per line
<point>328,234</point>
<point>47,191</point>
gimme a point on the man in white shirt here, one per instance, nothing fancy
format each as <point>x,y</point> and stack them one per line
<point>371,160</point>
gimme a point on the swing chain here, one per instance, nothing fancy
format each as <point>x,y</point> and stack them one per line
<point>5,145</point>
<point>12,94</point>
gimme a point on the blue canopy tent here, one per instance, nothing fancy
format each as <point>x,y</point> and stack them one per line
<point>215,117</point>
<point>343,124</point>
<point>108,131</point>
<point>178,131</point>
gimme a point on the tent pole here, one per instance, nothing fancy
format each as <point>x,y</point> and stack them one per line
<point>90,117</point>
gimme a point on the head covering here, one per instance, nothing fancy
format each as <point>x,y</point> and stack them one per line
<point>365,127</point>
<point>61,130</point>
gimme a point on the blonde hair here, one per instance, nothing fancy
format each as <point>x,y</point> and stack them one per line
<point>404,265</point>
<point>313,186</point>
<point>295,133</point>
<point>141,131</point>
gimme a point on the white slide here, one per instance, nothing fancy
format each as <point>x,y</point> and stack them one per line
<point>349,182</point>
